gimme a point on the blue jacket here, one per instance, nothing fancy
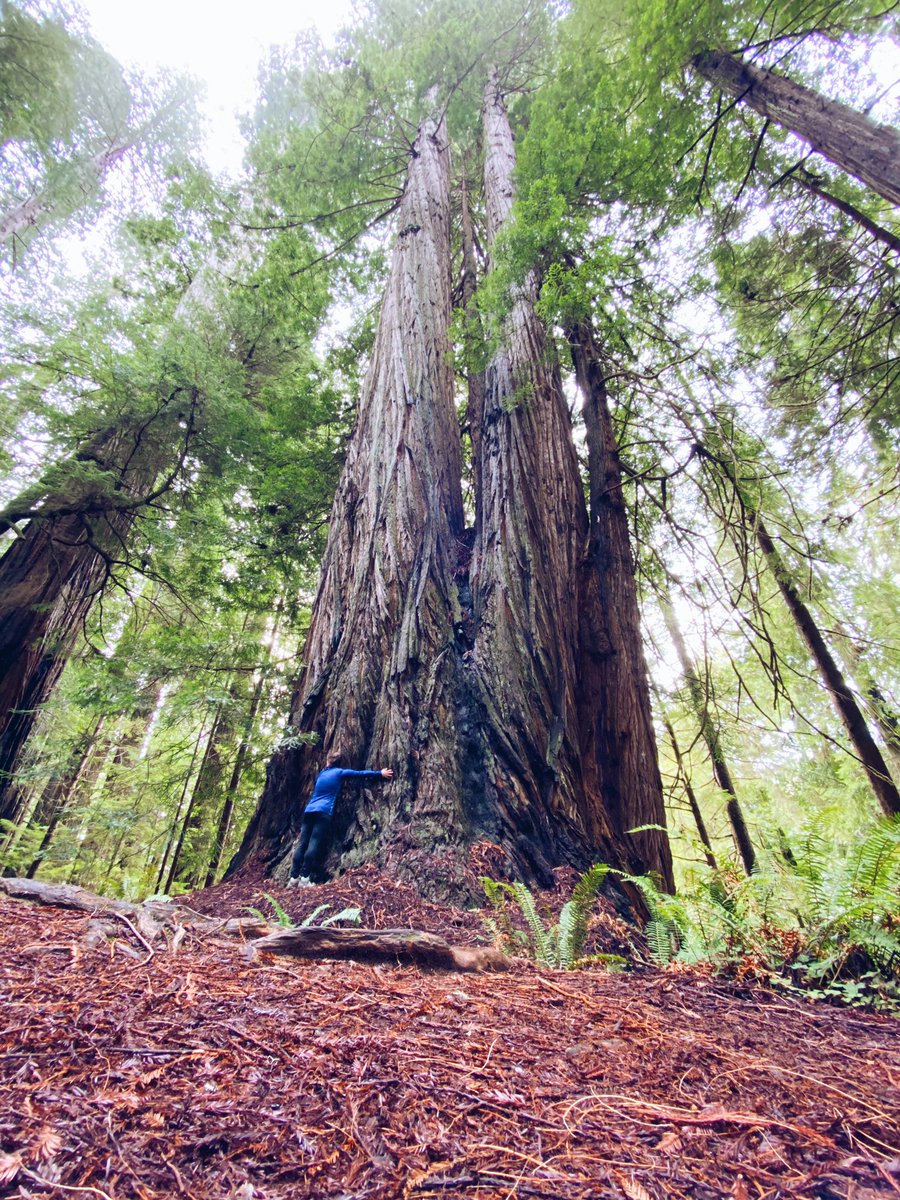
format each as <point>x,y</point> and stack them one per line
<point>329,784</point>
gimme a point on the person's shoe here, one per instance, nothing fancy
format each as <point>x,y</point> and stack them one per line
<point>293,882</point>
<point>304,881</point>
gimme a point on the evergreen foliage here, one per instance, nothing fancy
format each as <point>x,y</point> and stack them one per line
<point>819,922</point>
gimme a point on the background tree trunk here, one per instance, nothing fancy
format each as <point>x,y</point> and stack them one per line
<point>700,703</point>
<point>223,825</point>
<point>864,744</point>
<point>849,139</point>
<point>52,573</point>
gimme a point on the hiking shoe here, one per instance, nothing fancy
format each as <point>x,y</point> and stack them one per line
<point>304,881</point>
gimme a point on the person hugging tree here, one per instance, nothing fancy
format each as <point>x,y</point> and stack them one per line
<point>315,826</point>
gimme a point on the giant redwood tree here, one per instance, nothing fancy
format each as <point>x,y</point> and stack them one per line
<point>465,671</point>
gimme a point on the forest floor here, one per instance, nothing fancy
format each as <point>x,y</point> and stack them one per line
<point>201,1072</point>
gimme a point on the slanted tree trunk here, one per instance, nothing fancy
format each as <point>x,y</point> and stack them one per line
<point>849,139</point>
<point>81,180</point>
<point>685,776</point>
<point>49,579</point>
<point>811,183</point>
<point>612,655</point>
<point>173,835</point>
<point>53,572</point>
<point>711,737</point>
<point>864,745</point>
<point>57,797</point>
<point>209,779</point>
<point>381,678</point>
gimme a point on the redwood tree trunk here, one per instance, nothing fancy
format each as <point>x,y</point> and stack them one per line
<point>566,775</point>
<point>467,681</point>
<point>621,719</point>
<point>49,579</point>
<point>710,733</point>
<point>849,139</point>
<point>53,572</point>
<point>381,681</point>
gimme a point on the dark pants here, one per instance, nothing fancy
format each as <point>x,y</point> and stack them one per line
<point>312,845</point>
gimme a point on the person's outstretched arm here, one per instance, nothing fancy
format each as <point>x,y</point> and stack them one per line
<point>382,773</point>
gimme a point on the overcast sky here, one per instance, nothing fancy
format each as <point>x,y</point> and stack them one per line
<point>220,42</point>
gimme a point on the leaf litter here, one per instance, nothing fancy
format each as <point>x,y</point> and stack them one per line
<point>201,1073</point>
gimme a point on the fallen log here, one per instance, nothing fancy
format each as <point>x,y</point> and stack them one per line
<point>151,917</point>
<point>155,917</point>
<point>381,945</point>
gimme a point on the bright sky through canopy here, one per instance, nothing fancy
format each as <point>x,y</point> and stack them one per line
<point>220,42</point>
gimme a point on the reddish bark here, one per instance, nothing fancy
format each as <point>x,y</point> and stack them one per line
<point>618,718</point>
<point>381,679</point>
<point>53,572</point>
<point>473,683</point>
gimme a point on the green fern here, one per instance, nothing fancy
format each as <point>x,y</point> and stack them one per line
<point>281,916</point>
<point>351,914</point>
<point>542,938</point>
<point>346,914</point>
<point>558,945</point>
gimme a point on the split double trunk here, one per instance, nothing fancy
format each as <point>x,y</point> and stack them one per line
<point>464,669</point>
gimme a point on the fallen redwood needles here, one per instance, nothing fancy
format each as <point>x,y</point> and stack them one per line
<point>197,1072</point>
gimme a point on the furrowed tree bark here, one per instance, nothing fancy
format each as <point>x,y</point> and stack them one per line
<point>381,678</point>
<point>711,737</point>
<point>622,733</point>
<point>474,377</point>
<point>861,147</point>
<point>553,788</point>
<point>52,573</point>
<point>465,679</point>
<point>48,581</point>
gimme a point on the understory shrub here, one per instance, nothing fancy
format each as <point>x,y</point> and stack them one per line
<point>816,921</point>
<point>557,944</point>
